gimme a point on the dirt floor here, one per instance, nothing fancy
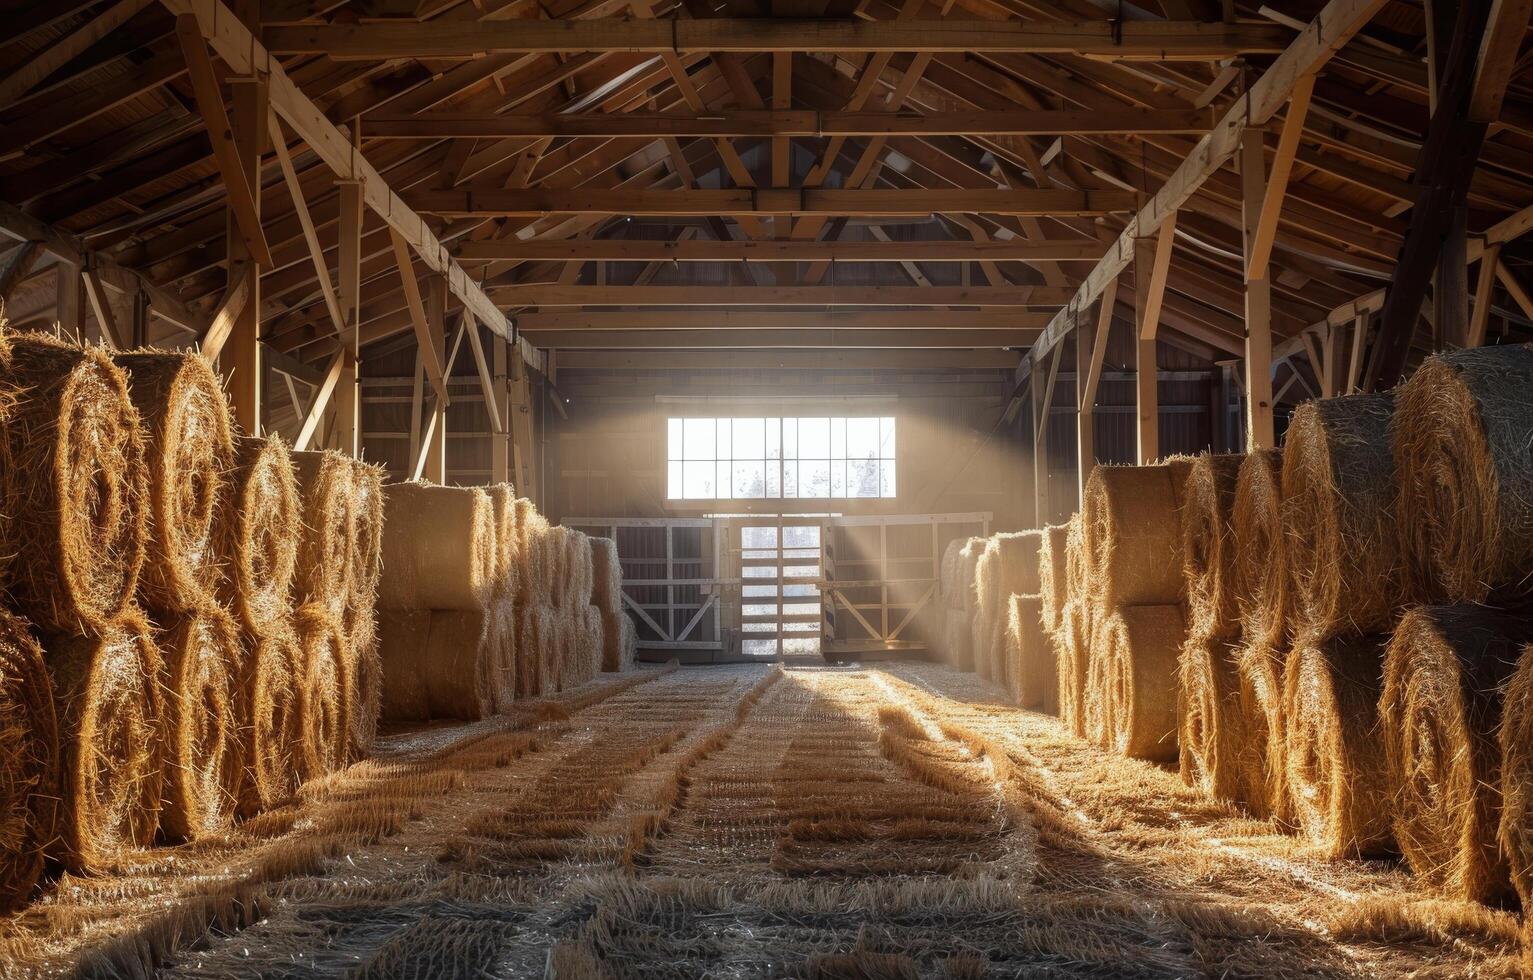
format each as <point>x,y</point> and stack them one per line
<point>887,821</point>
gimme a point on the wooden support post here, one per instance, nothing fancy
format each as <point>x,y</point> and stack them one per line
<point>1484,292</point>
<point>1146,368</point>
<point>524,455</point>
<point>1090,349</point>
<point>69,301</point>
<point>436,423</point>
<point>500,443</point>
<point>347,433</point>
<point>240,352</point>
<point>101,305</point>
<point>1043,401</point>
<point>1450,283</point>
<point>1260,433</point>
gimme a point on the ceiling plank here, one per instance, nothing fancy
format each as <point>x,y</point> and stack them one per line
<point>781,250</point>
<point>780,339</point>
<point>535,202</point>
<point>542,295</point>
<point>723,321</point>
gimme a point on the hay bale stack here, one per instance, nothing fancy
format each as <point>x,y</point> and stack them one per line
<point>1338,510</point>
<point>630,642</point>
<point>534,568</point>
<point>439,548</point>
<point>1132,534</point>
<point>1515,832</point>
<point>203,755</point>
<point>1010,568</point>
<point>259,533</point>
<point>74,482</point>
<point>1208,546</point>
<point>987,610</point>
<point>1264,765</point>
<point>1212,732</point>
<point>1445,674</point>
<point>324,690</point>
<point>1263,593</point>
<point>952,597</point>
<point>965,655</point>
<point>188,448</point>
<point>503,509</point>
<point>439,663</point>
<point>607,597</point>
<point>359,617</point>
<point>29,743</point>
<point>326,549</point>
<point>1030,663</point>
<point>577,566</point>
<point>1337,778</point>
<point>1052,583</point>
<point>108,702</point>
<point>1074,649</point>
<point>270,709</point>
<point>403,637</point>
<point>1137,648</point>
<point>367,530</point>
<point>1465,510</point>
<point>1078,585</point>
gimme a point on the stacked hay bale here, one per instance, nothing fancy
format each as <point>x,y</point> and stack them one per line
<point>562,636</point>
<point>1456,672</point>
<point>446,647</point>
<point>962,605</point>
<point>74,480</point>
<point>1073,638</point>
<point>189,447</point>
<point>1339,541</point>
<point>955,628</point>
<point>1019,662</point>
<point>607,598</point>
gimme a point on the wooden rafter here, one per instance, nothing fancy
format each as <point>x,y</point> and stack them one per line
<point>493,202</point>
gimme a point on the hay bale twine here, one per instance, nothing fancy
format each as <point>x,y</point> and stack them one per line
<point>1212,727</point>
<point>1338,508</point>
<point>1333,749</point>
<point>1052,586</point>
<point>1030,671</point>
<point>188,447</point>
<point>1445,674</point>
<point>438,548</point>
<point>1263,763</point>
<point>74,484</point>
<point>1461,438</point>
<point>503,515</point>
<point>1132,534</point>
<point>29,762</point>
<point>258,534</point>
<point>1074,648</point>
<point>324,692</point>
<point>1263,590</point>
<point>1516,740</point>
<point>271,717</point>
<point>326,548</point>
<point>106,691</point>
<point>1138,648</point>
<point>202,750</point>
<point>1208,545</point>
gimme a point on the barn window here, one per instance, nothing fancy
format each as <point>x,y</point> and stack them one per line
<point>758,458</point>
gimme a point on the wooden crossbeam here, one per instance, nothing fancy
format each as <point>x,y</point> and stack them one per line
<point>819,320</point>
<point>788,360</point>
<point>310,426</point>
<point>1277,179</point>
<point>229,309</point>
<point>535,202</point>
<point>996,339</point>
<point>559,295</point>
<point>417,307</point>
<point>444,39</point>
<point>790,122</point>
<point>775,250</point>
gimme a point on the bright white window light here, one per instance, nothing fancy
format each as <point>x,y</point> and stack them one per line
<point>830,457</point>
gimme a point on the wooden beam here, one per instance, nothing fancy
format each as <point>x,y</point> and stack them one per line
<point>1485,288</point>
<point>1260,430</point>
<point>101,306</point>
<point>1505,28</point>
<point>542,295</point>
<point>1043,402</point>
<point>1315,45</point>
<point>1090,350</point>
<point>445,39</point>
<point>1515,289</point>
<point>779,123</point>
<point>244,53</point>
<point>434,449</point>
<point>65,49</point>
<point>306,223</point>
<point>229,309</point>
<point>431,358</point>
<point>17,266</point>
<point>775,250</point>
<point>788,360</point>
<point>348,408</point>
<point>310,426</point>
<point>1277,179</point>
<point>244,202</point>
<point>820,320</point>
<point>486,380</point>
<point>1146,363</point>
<point>1154,276</point>
<point>537,202</point>
<point>778,339</point>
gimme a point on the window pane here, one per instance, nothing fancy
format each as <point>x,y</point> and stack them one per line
<point>721,478</point>
<point>699,439</point>
<point>698,480</point>
<point>886,479</point>
<point>814,478</point>
<point>862,478</point>
<point>838,438</point>
<point>774,438</point>
<point>886,441</point>
<point>759,648</point>
<point>673,480</point>
<point>790,478</point>
<point>749,479</point>
<point>724,445</point>
<point>758,537</point>
<point>801,571</point>
<point>750,439</point>
<point>814,438</point>
<point>757,571</point>
<point>763,591</point>
<point>838,477</point>
<point>774,478</point>
<point>862,438</point>
<point>800,591</point>
<point>673,439</point>
<point>801,536</point>
<point>790,438</point>
<point>801,648</point>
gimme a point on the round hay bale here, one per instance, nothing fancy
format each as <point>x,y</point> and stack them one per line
<point>29,762</point>
<point>533,569</point>
<point>359,629</point>
<point>1212,730</point>
<point>1052,587</point>
<point>74,482</point>
<point>1333,749</point>
<point>202,753</point>
<point>1208,545</point>
<point>1138,648</point>
<point>1263,763</point>
<point>1030,671</point>
<point>1074,649</point>
<point>438,548</point>
<point>1132,535</point>
<point>367,528</point>
<point>402,636</point>
<point>1445,674</point>
<point>503,511</point>
<point>589,646</point>
<point>1461,437</point>
<point>1262,578</point>
<point>271,714</point>
<point>327,547</point>
<point>106,691</point>
<point>258,534</point>
<point>1338,512</point>
<point>948,572</point>
<point>1078,584</point>
<point>1515,831</point>
<point>968,560</point>
<point>188,447</point>
<point>324,694</point>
